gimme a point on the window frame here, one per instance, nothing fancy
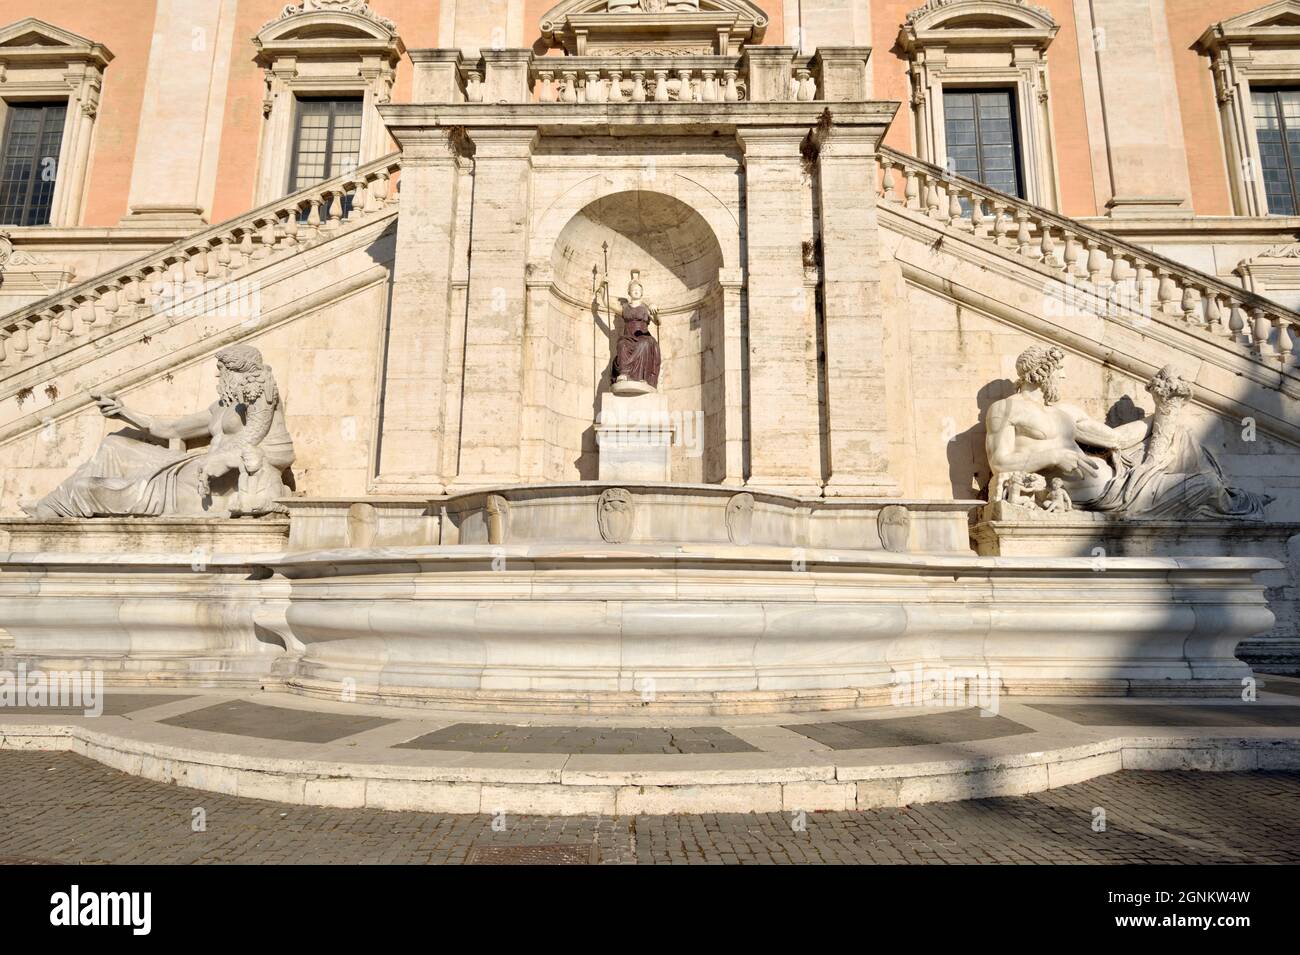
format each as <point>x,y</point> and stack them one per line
<point>43,63</point>
<point>314,52</point>
<point>1008,52</point>
<point>1246,52</point>
<point>12,110</point>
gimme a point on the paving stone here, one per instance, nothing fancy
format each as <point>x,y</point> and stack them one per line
<point>115,704</point>
<point>1173,714</point>
<point>242,718</point>
<point>603,740</point>
<point>958,726</point>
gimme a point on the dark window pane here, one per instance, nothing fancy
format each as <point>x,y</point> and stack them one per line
<point>327,141</point>
<point>982,139</point>
<point>1277,132</point>
<point>29,170</point>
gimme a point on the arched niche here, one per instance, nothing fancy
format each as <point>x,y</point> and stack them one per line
<point>680,259</point>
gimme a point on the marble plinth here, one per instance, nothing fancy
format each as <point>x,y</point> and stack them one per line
<point>634,435</point>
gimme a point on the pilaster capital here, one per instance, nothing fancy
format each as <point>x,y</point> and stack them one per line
<point>504,142</point>
<point>772,142</point>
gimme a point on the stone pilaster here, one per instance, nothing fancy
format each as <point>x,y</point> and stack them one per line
<point>415,364</point>
<point>1144,136</point>
<point>174,174</point>
<point>853,320</point>
<point>733,376</point>
<point>785,452</point>
<point>492,411</point>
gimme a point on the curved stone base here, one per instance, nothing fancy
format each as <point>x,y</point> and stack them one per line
<point>468,783</point>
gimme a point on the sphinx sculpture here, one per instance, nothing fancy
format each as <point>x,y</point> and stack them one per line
<point>1149,468</point>
<point>240,472</point>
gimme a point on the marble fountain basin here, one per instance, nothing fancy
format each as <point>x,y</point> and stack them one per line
<point>598,598</point>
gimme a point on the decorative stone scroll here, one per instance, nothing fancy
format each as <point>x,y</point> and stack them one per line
<point>1044,451</point>
<point>498,518</point>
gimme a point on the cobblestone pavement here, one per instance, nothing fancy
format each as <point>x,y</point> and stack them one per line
<point>63,808</point>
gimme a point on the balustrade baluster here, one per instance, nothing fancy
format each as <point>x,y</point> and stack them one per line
<point>1236,321</point>
<point>615,86</point>
<point>661,86</point>
<point>933,206</point>
<point>1024,240</point>
<point>730,93</point>
<point>954,208</point>
<point>979,223</point>
<point>546,87</point>
<point>911,191</point>
<point>1282,340</point>
<point>887,180</point>
<point>1166,292</point>
<point>1191,305</point>
<point>1000,224</point>
<point>1047,247</point>
<point>638,86</point>
<point>570,92</point>
<point>1259,329</point>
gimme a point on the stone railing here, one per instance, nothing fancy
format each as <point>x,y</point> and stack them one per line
<point>191,268</point>
<point>660,79</point>
<point>759,74</point>
<point>1119,273</point>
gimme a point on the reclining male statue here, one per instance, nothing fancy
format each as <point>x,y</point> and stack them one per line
<point>1151,468</point>
<point>240,472</point>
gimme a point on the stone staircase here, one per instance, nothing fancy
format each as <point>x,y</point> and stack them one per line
<point>1120,303</point>
<point>192,275</point>
<point>1243,343</point>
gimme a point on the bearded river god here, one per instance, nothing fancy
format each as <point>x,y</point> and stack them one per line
<point>240,472</point>
<point>1150,468</point>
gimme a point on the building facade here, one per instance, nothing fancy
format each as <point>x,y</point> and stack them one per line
<point>872,238</point>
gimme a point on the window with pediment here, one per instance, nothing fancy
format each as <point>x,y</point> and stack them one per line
<point>987,60</point>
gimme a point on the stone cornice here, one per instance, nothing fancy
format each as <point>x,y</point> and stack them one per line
<point>619,118</point>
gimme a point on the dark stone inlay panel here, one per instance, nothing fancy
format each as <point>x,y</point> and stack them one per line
<point>1277,684</point>
<point>959,726</point>
<point>1174,714</point>
<point>115,704</point>
<point>242,718</point>
<point>584,740</point>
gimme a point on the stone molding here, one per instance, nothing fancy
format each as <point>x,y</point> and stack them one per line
<point>41,61</point>
<point>1261,46</point>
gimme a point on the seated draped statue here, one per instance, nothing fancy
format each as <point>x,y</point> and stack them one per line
<point>239,473</point>
<point>1150,468</point>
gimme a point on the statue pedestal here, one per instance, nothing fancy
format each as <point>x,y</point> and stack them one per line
<point>634,435</point>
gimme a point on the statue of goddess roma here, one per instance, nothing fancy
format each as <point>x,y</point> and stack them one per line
<point>636,356</point>
<point>241,472</point>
